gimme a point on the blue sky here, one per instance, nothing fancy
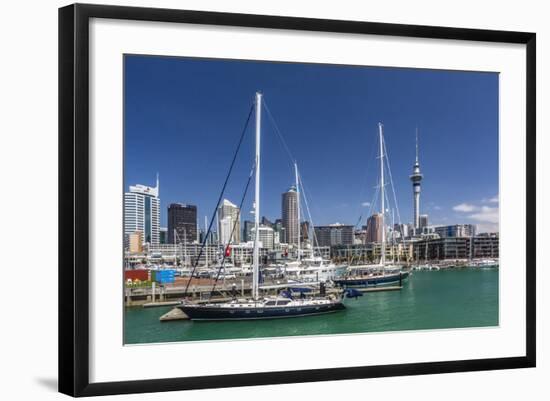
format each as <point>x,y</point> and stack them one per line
<point>183,118</point>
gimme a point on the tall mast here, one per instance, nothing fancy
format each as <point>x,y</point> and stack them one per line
<point>185,246</point>
<point>297,206</point>
<point>218,235</point>
<point>176,247</point>
<point>206,239</point>
<point>256,254</point>
<point>382,196</point>
<point>392,235</point>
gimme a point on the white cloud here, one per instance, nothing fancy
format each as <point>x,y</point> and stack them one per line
<point>494,199</point>
<point>437,207</point>
<point>486,215</point>
<point>487,219</point>
<point>487,227</point>
<point>465,207</point>
<point>365,204</point>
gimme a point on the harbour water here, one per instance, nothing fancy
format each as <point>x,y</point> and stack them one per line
<point>454,298</point>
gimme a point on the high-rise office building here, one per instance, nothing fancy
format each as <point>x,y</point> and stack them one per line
<point>226,231</point>
<point>334,234</point>
<point>304,231</point>
<point>265,237</point>
<point>374,228</point>
<point>163,235</point>
<point>423,221</point>
<point>265,222</point>
<point>136,242</point>
<point>229,216</point>
<point>247,230</point>
<point>213,238</point>
<point>182,223</point>
<point>142,212</point>
<point>279,230</point>
<point>290,215</point>
<point>403,230</point>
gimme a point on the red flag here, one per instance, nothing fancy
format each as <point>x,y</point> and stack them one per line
<point>227,251</point>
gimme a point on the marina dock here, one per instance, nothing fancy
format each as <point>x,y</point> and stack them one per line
<point>160,304</point>
<point>379,289</point>
<point>201,291</point>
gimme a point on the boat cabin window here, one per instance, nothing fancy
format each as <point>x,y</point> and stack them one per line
<point>283,302</point>
<point>270,303</point>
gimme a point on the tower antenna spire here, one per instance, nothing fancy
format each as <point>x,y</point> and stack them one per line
<point>416,145</point>
<point>416,177</point>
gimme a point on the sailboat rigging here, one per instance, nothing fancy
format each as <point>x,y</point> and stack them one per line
<point>257,307</point>
<point>380,274</point>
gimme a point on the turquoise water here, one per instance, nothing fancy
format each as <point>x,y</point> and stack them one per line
<point>428,300</point>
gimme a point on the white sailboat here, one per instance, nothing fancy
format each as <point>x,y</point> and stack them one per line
<point>382,273</point>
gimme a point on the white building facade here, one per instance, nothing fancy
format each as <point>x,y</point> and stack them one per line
<point>265,237</point>
<point>229,216</point>
<point>142,212</point>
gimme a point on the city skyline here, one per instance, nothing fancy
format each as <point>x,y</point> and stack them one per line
<point>460,170</point>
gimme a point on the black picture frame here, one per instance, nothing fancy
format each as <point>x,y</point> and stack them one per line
<point>74,198</point>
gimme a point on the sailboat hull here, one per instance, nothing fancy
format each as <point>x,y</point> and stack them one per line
<point>213,313</point>
<point>372,281</point>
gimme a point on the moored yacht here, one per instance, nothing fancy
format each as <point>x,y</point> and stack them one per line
<point>264,308</point>
<point>485,263</point>
<point>261,307</point>
<point>319,269</point>
<point>382,273</point>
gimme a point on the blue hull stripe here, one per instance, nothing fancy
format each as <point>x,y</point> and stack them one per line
<point>217,313</point>
<point>371,281</point>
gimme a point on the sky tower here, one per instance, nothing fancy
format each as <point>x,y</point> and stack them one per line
<point>416,177</point>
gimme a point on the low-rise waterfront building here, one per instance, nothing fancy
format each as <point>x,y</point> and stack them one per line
<point>184,254</point>
<point>456,248</point>
<point>242,253</point>
<point>371,252</point>
<point>486,246</point>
